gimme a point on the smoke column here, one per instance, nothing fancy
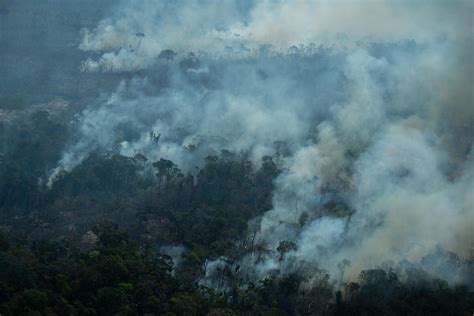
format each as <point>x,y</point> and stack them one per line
<point>373,101</point>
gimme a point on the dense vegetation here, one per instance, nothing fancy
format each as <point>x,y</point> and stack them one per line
<point>90,244</point>
<point>119,276</point>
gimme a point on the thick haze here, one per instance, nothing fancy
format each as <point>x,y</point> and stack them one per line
<point>367,105</point>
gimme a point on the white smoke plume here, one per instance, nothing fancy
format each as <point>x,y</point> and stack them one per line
<point>135,35</point>
<point>373,98</point>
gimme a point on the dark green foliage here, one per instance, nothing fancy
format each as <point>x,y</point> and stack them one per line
<point>99,177</point>
<point>30,146</point>
<point>104,281</point>
<point>122,277</point>
<point>381,293</point>
<point>88,245</point>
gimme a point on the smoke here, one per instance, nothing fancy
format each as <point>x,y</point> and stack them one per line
<point>405,194</point>
<point>410,207</point>
<point>372,99</point>
<point>135,35</point>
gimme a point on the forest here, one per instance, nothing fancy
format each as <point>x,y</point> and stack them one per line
<point>206,158</point>
<point>90,245</point>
